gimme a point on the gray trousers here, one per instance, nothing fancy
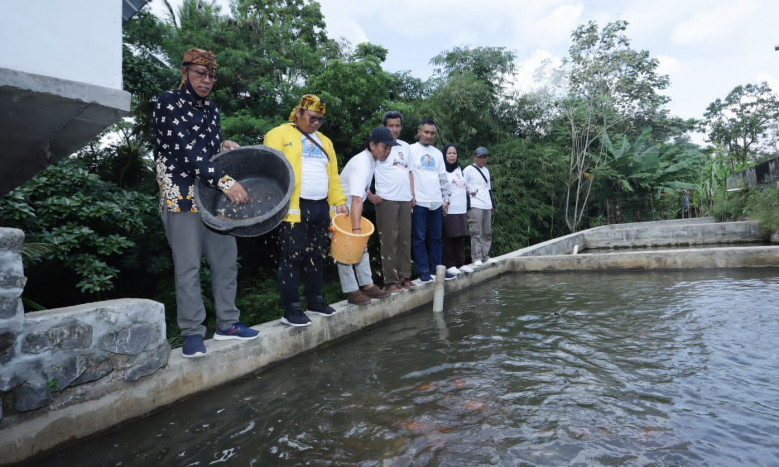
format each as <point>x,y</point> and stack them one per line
<point>393,221</point>
<point>189,240</point>
<point>480,226</point>
<point>346,272</point>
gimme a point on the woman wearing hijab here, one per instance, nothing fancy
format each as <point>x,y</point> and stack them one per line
<point>455,225</point>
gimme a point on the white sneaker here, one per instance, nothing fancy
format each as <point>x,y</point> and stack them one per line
<point>477,263</point>
<point>453,270</point>
<point>492,260</point>
<point>467,269</point>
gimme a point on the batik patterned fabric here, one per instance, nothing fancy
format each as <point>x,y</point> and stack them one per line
<point>188,132</point>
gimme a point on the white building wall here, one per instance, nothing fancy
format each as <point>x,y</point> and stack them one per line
<point>77,40</point>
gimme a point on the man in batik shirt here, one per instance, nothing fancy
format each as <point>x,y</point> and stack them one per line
<point>188,132</point>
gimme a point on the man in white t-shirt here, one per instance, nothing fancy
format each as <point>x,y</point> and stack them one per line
<point>477,182</point>
<point>393,201</point>
<point>430,191</point>
<point>356,280</point>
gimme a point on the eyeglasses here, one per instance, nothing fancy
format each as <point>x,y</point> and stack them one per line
<point>314,118</point>
<point>202,75</point>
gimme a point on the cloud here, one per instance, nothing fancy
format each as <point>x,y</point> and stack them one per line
<point>461,21</point>
<point>555,26</point>
<point>536,72</point>
<point>669,65</point>
<point>713,23</point>
<point>771,79</point>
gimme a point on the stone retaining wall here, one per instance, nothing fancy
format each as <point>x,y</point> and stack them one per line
<point>49,358</point>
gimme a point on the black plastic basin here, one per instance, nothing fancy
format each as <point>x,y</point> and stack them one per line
<point>267,177</point>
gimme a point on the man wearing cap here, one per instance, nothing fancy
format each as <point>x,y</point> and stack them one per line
<point>304,231</point>
<point>477,182</point>
<point>356,181</point>
<point>431,191</point>
<point>393,200</point>
<point>188,132</point>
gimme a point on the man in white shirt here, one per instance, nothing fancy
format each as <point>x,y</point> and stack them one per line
<point>477,181</point>
<point>430,191</point>
<point>393,201</point>
<point>356,180</point>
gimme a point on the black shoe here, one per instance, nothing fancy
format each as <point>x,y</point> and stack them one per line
<point>294,316</point>
<point>319,307</point>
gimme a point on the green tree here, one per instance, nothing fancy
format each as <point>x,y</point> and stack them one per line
<point>266,50</point>
<point>526,177</point>
<point>611,89</point>
<point>490,65</point>
<point>357,91</point>
<point>647,176</point>
<point>742,123</point>
<point>469,98</point>
<point>95,229</point>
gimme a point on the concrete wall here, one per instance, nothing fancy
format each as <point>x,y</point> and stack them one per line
<point>60,81</point>
<point>761,174</point>
<point>76,40</point>
<point>664,235</point>
<point>51,359</point>
<point>86,409</point>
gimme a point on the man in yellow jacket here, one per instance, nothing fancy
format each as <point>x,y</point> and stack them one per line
<point>304,232</point>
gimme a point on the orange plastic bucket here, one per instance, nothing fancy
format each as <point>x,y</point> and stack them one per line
<point>347,247</point>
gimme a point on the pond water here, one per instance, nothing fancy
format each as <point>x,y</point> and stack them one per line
<point>579,368</point>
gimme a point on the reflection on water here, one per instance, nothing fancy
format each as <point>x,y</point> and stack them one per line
<point>546,369</point>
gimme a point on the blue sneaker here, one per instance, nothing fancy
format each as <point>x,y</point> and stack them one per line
<point>193,346</point>
<point>449,276</point>
<point>238,331</point>
<point>425,278</point>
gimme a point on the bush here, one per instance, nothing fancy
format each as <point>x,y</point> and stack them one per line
<point>94,231</point>
<point>762,204</point>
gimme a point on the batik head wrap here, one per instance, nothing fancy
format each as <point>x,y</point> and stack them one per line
<point>199,57</point>
<point>308,102</point>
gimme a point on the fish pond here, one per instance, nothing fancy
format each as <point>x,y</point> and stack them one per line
<point>582,368</point>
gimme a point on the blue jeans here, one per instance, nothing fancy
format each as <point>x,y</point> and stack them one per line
<point>426,242</point>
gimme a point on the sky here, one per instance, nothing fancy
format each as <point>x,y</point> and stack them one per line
<point>706,47</point>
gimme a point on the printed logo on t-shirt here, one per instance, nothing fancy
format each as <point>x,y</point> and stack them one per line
<point>311,150</point>
<point>400,161</point>
<point>458,182</point>
<point>427,161</point>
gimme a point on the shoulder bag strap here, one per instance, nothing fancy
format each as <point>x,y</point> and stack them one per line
<point>480,173</point>
<point>492,200</point>
<point>316,143</point>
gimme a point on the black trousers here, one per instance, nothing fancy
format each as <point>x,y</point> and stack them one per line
<point>303,246</point>
<point>454,252</point>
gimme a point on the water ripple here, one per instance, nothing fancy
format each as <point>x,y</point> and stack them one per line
<point>644,368</point>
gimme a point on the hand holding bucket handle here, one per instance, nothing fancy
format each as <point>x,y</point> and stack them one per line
<point>347,246</point>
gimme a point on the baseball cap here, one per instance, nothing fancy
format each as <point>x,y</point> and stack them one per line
<point>481,151</point>
<point>382,134</point>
